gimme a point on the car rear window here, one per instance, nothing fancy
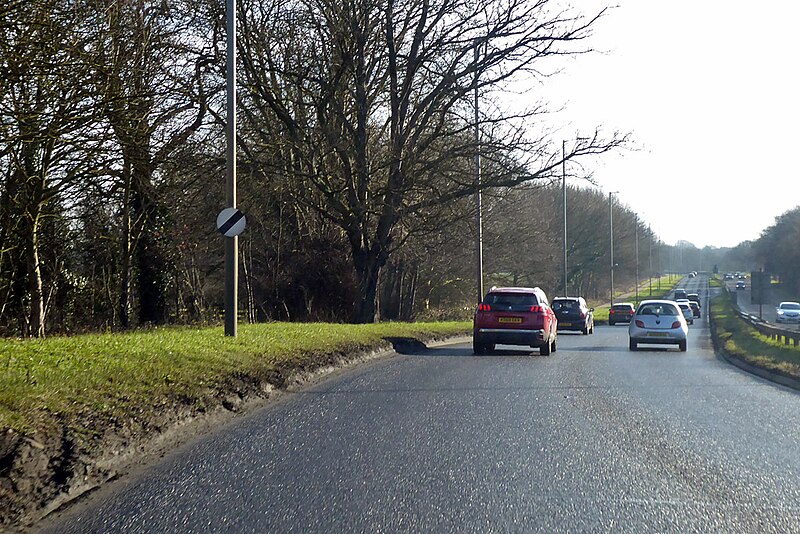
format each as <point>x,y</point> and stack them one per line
<point>658,309</point>
<point>511,299</point>
<point>622,307</point>
<point>566,304</point>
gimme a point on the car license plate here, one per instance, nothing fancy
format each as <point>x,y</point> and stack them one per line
<point>657,334</point>
<point>511,320</point>
<point>565,324</point>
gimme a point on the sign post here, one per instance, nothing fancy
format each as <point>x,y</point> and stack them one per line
<point>231,243</point>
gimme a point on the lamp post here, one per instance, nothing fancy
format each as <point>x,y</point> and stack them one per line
<point>611,233</point>
<point>478,202</point>
<point>636,248</point>
<point>564,195</point>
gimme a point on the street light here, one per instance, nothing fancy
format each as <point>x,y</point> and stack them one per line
<point>611,233</point>
<point>478,201</point>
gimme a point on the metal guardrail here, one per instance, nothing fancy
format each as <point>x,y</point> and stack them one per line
<point>782,335</point>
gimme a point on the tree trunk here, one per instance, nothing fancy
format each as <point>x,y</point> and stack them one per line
<point>37,318</point>
<point>368,266</point>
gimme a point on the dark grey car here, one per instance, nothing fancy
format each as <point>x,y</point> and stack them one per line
<point>573,314</point>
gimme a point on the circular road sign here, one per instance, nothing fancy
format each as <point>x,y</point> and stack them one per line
<point>230,222</point>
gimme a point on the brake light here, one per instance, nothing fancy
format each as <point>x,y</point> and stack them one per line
<point>583,315</point>
<point>484,307</point>
<point>612,312</point>
<point>639,323</point>
<point>676,324</point>
<point>537,309</point>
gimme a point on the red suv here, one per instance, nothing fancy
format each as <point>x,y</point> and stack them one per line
<point>514,316</point>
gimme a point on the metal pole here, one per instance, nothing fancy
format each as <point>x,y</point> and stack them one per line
<point>231,243</point>
<point>564,195</point>
<point>650,273</point>
<point>611,233</point>
<point>478,206</point>
<point>636,248</point>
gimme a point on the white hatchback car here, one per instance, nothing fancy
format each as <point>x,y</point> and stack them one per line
<point>659,322</point>
<point>688,312</point>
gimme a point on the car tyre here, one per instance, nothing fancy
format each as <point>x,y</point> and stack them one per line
<point>632,345</point>
<point>611,323</point>
<point>545,349</point>
<point>682,345</point>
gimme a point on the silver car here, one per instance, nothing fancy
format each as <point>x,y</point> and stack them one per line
<point>659,322</point>
<point>788,312</point>
<point>688,312</point>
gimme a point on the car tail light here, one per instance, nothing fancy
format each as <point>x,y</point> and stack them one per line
<point>676,324</point>
<point>639,323</point>
<point>583,315</point>
<point>612,312</point>
<point>537,309</point>
<point>484,307</point>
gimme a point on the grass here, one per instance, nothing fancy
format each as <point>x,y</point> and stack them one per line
<point>130,376</point>
<point>741,340</point>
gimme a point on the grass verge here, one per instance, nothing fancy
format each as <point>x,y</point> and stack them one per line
<point>740,340</point>
<point>117,376</point>
<point>73,410</point>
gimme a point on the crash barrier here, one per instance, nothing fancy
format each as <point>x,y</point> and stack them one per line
<point>782,335</point>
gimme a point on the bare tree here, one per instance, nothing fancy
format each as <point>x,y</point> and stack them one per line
<point>375,102</point>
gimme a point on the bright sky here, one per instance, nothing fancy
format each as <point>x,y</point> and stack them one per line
<point>709,89</point>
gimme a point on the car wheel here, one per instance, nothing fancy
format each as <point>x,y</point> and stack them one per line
<point>544,350</point>
<point>682,345</point>
<point>632,345</point>
<point>585,331</point>
<point>611,323</point>
<point>554,345</point>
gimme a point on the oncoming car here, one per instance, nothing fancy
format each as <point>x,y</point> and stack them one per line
<point>788,312</point>
<point>658,322</point>
<point>514,316</point>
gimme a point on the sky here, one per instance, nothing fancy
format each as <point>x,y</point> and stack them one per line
<point>709,91</point>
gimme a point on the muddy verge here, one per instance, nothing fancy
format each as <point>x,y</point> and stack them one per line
<point>63,460</point>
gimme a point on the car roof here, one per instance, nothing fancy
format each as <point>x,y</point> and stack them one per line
<point>514,290</point>
<point>657,301</point>
<point>789,302</point>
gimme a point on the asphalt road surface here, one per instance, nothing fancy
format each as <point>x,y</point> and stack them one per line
<point>593,438</point>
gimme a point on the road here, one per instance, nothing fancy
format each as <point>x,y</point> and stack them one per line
<point>593,438</point>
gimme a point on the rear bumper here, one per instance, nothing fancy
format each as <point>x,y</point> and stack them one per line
<point>576,326</point>
<point>502,336</point>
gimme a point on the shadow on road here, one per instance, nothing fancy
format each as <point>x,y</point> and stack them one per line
<point>408,346</point>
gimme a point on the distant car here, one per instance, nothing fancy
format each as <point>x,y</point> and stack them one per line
<point>695,308</point>
<point>658,322</point>
<point>741,285</point>
<point>692,274</point>
<point>686,308</point>
<point>788,312</point>
<point>728,276</point>
<point>621,313</point>
<point>574,314</point>
<point>694,297</point>
<point>680,294</point>
<point>514,316</point>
